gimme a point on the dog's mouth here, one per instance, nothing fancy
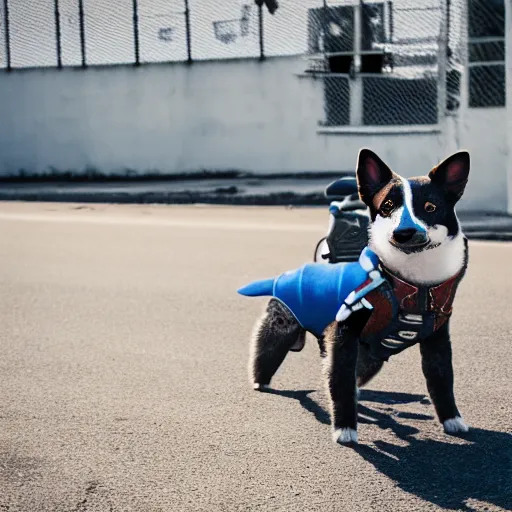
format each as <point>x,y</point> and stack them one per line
<point>427,245</point>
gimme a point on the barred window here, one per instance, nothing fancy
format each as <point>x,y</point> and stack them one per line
<point>379,62</point>
<point>486,53</point>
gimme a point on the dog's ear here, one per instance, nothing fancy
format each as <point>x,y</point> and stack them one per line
<point>372,175</point>
<point>452,174</point>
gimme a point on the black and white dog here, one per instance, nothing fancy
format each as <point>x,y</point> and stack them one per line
<point>422,265</point>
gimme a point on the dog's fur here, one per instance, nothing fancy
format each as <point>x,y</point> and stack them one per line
<point>436,251</point>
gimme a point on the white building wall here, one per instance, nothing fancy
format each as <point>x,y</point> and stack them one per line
<point>246,114</point>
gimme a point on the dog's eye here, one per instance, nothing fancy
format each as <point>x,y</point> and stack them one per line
<point>387,207</point>
<point>430,207</point>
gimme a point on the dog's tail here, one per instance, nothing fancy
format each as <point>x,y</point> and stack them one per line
<point>258,288</point>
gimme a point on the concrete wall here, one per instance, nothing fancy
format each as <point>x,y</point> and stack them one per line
<point>216,115</point>
<point>483,133</point>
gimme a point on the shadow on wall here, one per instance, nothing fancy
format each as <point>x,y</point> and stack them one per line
<point>445,474</point>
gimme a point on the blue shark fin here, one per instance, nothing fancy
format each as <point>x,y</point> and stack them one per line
<point>258,288</point>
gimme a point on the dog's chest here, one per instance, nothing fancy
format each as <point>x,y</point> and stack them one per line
<point>404,314</point>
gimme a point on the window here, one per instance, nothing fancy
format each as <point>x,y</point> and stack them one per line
<point>486,53</point>
<point>378,62</point>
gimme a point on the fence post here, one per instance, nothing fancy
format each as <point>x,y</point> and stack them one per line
<point>57,35</point>
<point>187,28</point>
<point>82,32</point>
<point>262,41</point>
<point>448,23</point>
<point>7,36</point>
<point>391,24</point>
<point>508,100</point>
<point>442,62</point>
<point>136,32</point>
<point>356,80</point>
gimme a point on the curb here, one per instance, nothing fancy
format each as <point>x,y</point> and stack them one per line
<point>488,235</point>
<point>222,197</point>
<point>482,229</point>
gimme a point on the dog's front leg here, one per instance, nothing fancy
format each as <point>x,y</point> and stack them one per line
<point>342,344</point>
<point>436,353</point>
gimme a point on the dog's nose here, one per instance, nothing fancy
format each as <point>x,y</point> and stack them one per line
<point>403,236</point>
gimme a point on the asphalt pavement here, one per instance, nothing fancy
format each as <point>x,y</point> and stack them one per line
<point>124,387</point>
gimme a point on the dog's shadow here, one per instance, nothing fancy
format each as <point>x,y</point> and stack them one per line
<point>444,473</point>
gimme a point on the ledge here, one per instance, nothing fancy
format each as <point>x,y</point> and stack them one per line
<point>380,130</point>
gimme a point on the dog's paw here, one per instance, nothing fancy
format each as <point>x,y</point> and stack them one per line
<point>260,387</point>
<point>455,425</point>
<point>344,435</point>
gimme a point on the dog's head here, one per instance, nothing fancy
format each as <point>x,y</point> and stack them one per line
<point>410,216</point>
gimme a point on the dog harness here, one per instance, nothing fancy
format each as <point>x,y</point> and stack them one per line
<point>402,314</point>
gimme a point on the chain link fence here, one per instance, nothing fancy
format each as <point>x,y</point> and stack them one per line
<point>160,31</point>
<point>381,62</point>
<point>47,33</point>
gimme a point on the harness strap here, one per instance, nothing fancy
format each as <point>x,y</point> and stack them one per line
<point>404,314</point>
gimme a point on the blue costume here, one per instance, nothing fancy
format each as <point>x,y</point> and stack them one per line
<point>316,292</point>
<point>402,313</point>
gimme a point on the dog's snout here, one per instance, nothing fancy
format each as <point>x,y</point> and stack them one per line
<point>409,238</point>
<point>403,236</point>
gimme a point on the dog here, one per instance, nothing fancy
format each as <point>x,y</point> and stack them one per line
<point>423,256</point>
